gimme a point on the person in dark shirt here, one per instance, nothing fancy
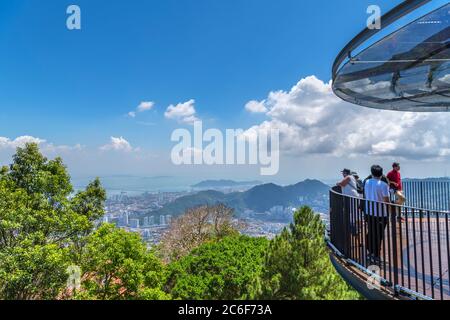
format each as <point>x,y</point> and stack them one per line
<point>395,178</point>
<point>359,183</point>
<point>395,184</point>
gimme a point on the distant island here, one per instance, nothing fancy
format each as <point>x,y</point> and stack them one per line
<point>224,184</point>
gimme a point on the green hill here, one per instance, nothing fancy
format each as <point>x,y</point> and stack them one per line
<point>259,199</point>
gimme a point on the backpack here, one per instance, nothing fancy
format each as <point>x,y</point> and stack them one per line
<point>359,186</point>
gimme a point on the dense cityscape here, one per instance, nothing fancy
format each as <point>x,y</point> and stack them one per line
<point>134,214</point>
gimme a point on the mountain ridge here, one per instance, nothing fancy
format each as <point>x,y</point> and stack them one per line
<point>260,198</point>
<point>224,183</point>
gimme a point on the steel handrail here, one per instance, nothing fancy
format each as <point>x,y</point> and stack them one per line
<point>390,204</point>
<point>393,267</point>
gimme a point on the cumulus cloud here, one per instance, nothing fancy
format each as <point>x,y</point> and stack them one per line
<point>7,143</point>
<point>8,146</point>
<point>52,148</point>
<point>182,112</point>
<point>142,107</point>
<point>312,120</point>
<point>145,106</point>
<point>256,107</point>
<point>118,144</point>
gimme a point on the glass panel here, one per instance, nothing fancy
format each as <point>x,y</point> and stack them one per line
<point>407,70</point>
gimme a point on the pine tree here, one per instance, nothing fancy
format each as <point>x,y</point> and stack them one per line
<point>297,265</point>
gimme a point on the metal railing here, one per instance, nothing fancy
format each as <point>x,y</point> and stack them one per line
<point>430,194</point>
<point>408,247</point>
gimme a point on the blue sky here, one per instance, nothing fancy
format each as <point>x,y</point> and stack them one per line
<point>77,87</point>
<point>222,53</point>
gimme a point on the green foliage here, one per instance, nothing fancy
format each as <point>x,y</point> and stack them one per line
<point>114,259</point>
<point>40,223</point>
<point>297,266</point>
<point>45,228</point>
<point>225,269</point>
<point>35,174</point>
<point>33,271</point>
<point>118,266</point>
<point>152,294</point>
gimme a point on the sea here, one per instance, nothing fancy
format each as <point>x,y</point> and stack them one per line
<point>137,185</point>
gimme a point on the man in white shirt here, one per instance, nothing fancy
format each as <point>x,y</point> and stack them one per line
<point>376,193</point>
<point>348,184</point>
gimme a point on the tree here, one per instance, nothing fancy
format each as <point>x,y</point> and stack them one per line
<point>32,271</point>
<point>224,269</point>
<point>116,266</point>
<point>40,224</point>
<point>297,265</point>
<point>46,228</point>
<point>195,227</point>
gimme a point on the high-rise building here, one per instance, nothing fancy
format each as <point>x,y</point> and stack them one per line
<point>124,219</point>
<point>134,223</point>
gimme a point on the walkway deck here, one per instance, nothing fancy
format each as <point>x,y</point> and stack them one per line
<point>423,261</point>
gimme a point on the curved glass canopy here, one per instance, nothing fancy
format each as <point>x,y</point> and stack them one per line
<point>408,70</point>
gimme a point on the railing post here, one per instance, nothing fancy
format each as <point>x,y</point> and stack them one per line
<point>345,229</point>
<point>338,221</point>
<point>421,194</point>
<point>393,216</point>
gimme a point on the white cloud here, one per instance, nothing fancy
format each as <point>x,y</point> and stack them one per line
<point>8,146</point>
<point>145,106</point>
<point>118,144</point>
<point>7,143</point>
<point>256,107</point>
<point>142,107</point>
<point>51,148</point>
<point>312,120</point>
<point>182,112</point>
